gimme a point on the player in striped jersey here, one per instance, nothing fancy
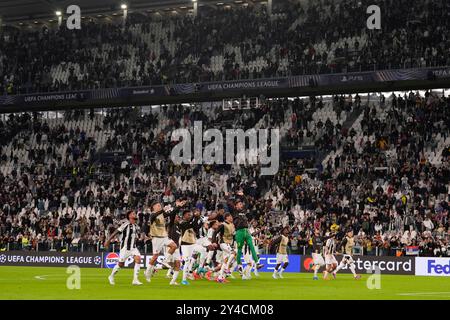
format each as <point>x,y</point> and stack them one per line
<point>214,259</point>
<point>329,251</point>
<point>213,225</point>
<point>200,250</point>
<point>174,233</point>
<point>256,235</point>
<point>318,261</point>
<point>129,233</point>
<point>282,258</point>
<point>346,246</point>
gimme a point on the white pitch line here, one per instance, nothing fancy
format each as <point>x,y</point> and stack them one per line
<point>425,294</point>
<point>41,277</point>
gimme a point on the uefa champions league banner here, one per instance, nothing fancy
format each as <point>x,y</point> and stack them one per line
<point>46,99</point>
<point>244,84</point>
<point>109,260</point>
<point>50,259</point>
<point>133,93</point>
<point>367,264</point>
<point>124,95</point>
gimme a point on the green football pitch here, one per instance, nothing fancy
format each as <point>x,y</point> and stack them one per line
<point>51,283</point>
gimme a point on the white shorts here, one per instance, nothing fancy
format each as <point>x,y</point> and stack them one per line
<point>176,255</point>
<point>158,244</point>
<point>347,259</point>
<point>330,259</point>
<point>219,256</point>
<point>318,259</point>
<point>199,249</point>
<point>226,248</point>
<point>209,256</point>
<point>204,242</point>
<point>124,254</point>
<point>282,258</point>
<point>186,251</point>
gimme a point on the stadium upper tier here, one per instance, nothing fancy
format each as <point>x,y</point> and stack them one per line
<point>226,44</point>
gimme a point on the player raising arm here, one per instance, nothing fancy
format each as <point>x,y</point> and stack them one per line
<point>129,233</point>
<point>242,236</point>
<point>159,234</point>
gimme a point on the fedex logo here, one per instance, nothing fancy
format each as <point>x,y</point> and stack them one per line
<point>438,268</point>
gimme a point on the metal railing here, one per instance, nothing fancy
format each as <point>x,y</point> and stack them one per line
<point>63,246</point>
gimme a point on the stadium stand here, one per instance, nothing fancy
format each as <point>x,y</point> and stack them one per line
<point>236,43</point>
<point>66,180</point>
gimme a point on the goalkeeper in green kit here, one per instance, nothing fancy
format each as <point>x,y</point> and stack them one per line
<point>242,235</point>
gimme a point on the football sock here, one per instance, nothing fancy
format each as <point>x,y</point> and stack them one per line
<point>175,276</point>
<point>115,270</point>
<point>137,267</point>
<point>352,269</point>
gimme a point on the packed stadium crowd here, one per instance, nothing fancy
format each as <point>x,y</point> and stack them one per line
<point>66,183</point>
<point>225,44</point>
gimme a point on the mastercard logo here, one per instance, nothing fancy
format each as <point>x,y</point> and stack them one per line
<point>307,262</point>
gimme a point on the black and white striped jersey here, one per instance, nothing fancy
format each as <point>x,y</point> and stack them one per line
<point>129,235</point>
<point>330,247</point>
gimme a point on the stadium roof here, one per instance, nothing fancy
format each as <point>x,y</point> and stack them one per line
<point>15,11</point>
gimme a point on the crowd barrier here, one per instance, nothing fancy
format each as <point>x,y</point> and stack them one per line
<point>419,266</point>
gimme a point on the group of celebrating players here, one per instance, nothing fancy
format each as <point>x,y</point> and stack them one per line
<point>213,247</point>
<point>328,245</point>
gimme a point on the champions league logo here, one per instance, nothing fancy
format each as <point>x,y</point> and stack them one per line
<point>2,258</point>
<point>97,260</point>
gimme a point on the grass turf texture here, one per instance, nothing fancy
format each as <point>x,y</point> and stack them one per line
<point>50,283</point>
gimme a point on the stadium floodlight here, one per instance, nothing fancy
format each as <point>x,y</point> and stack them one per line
<point>58,13</point>
<point>123,6</point>
<point>194,0</point>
